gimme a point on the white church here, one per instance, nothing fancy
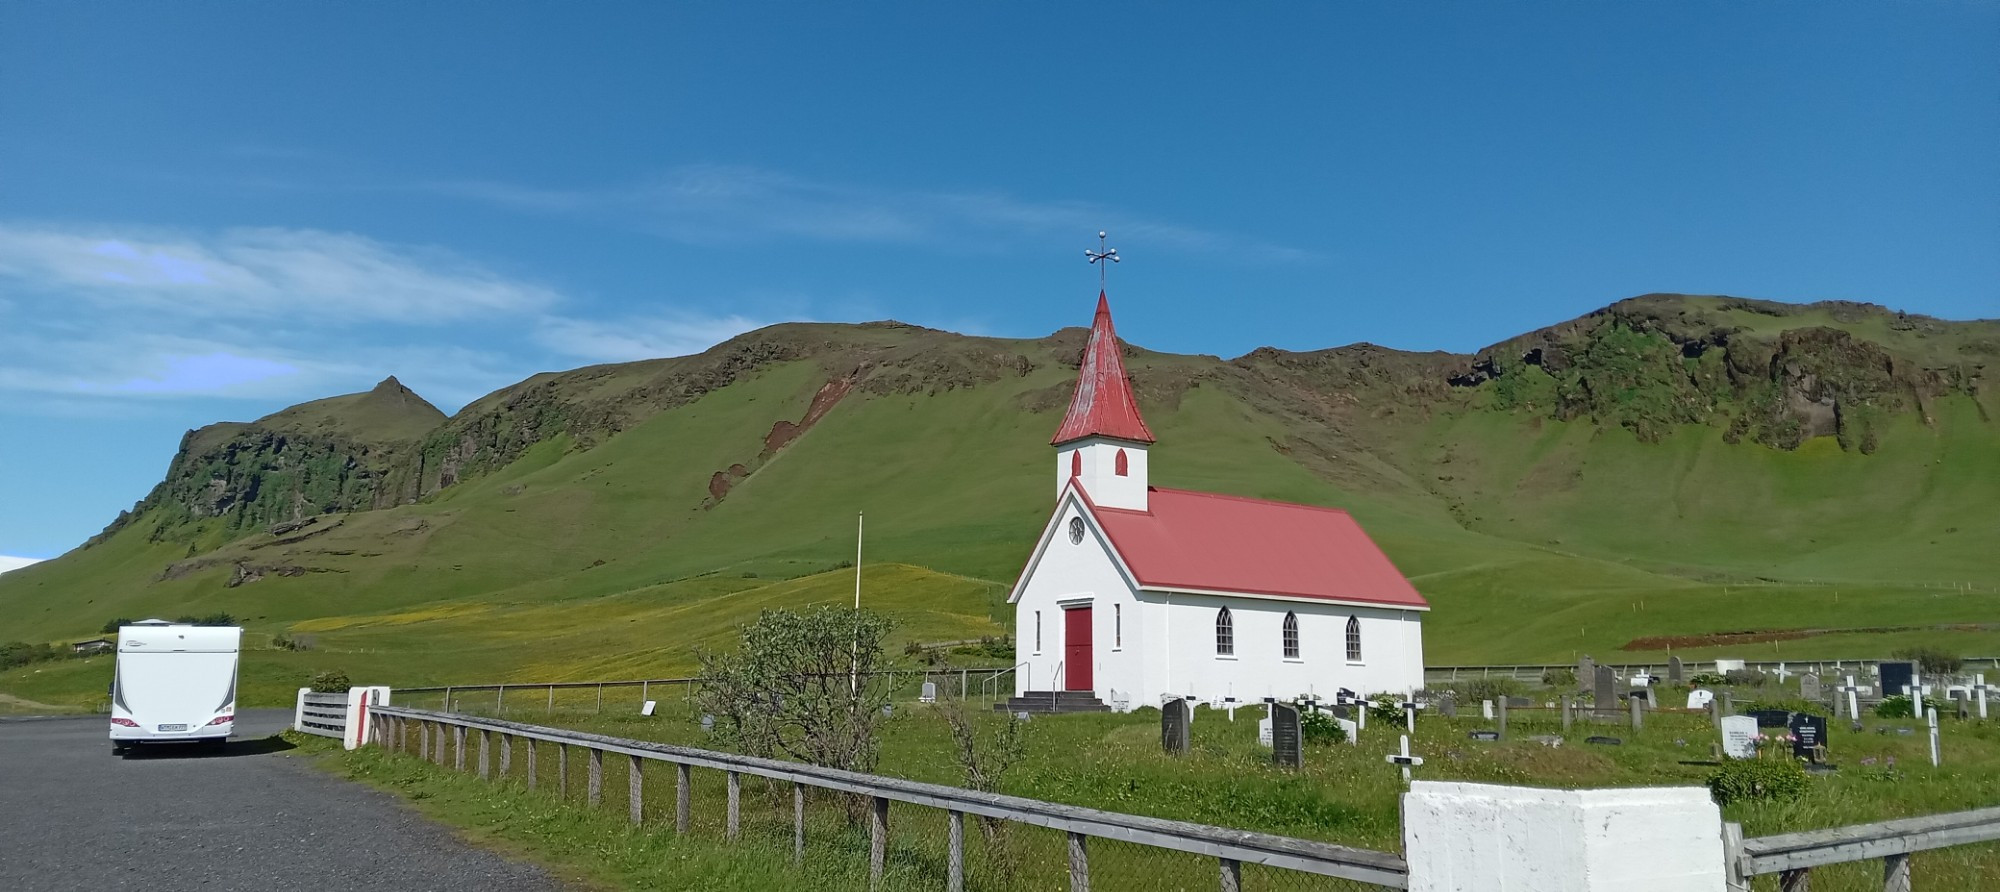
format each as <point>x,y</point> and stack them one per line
<point>1139,594</point>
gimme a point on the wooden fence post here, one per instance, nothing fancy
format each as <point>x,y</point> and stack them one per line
<point>533,744</point>
<point>1232,875</point>
<point>1568,716</point>
<point>683,793</point>
<point>506,755</point>
<point>596,776</point>
<point>635,780</point>
<point>1896,873</point>
<point>798,823</point>
<point>562,770</point>
<point>1732,858</point>
<point>1636,705</point>
<point>1798,879</point>
<point>458,747</point>
<point>735,807</point>
<point>485,737</point>
<point>1502,704</point>
<point>1079,864</point>
<point>954,876</point>
<point>424,741</point>
<point>878,840</point>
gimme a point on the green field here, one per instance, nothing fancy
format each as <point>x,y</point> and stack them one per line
<point>1345,794</point>
<point>582,539</point>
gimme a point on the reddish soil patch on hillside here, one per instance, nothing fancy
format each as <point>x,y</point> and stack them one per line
<point>784,432</point>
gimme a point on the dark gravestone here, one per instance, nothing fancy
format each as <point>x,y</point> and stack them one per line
<point>1604,741</point>
<point>1448,708</point>
<point>1674,670</point>
<point>1808,735</point>
<point>1771,718</point>
<point>1896,678</point>
<point>1605,693</point>
<point>1586,674</point>
<point>1342,712</point>
<point>1483,735</point>
<point>1809,687</point>
<point>1285,738</point>
<point>1174,720</point>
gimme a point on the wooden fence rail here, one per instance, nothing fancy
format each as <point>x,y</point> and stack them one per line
<point>1230,848</point>
<point>1792,856</point>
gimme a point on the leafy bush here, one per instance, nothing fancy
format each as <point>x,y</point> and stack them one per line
<point>213,619</point>
<point>282,641</point>
<point>1748,780</point>
<point>21,653</point>
<point>1316,727</point>
<point>1745,677</point>
<point>787,690</point>
<point>1385,708</point>
<point>1701,679</point>
<point>1932,660</point>
<point>111,625</point>
<point>1474,690</point>
<point>1897,707</point>
<point>332,681</point>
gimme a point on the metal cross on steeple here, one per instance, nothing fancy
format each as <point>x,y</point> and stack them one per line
<point>1107,255</point>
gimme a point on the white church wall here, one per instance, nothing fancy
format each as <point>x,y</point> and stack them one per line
<point>1107,488</point>
<point>1071,573</point>
<point>1391,649</point>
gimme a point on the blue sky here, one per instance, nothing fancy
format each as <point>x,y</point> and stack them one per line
<point>212,211</point>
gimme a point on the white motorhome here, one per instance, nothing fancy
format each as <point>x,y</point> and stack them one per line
<point>174,683</point>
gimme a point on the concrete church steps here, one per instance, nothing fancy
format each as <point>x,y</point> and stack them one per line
<point>1046,702</point>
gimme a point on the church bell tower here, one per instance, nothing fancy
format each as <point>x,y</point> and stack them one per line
<point>1102,442</point>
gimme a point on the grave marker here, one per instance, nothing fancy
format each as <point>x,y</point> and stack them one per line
<point>1674,670</point>
<point>1699,698</point>
<point>1264,731</point>
<point>1174,720</point>
<point>1486,709</point>
<point>1809,687</point>
<point>1896,677</point>
<point>1410,708</point>
<point>1405,759</point>
<point>929,694</point>
<point>1586,673</point>
<point>1605,698</point>
<point>1448,707</point>
<point>1483,735</point>
<point>1808,736</point>
<point>1934,738</point>
<point>647,708</point>
<point>1604,741</point>
<point>1853,692</point>
<point>1739,736</point>
<point>1771,718</point>
<point>1351,730</point>
<point>1979,690</point>
<point>1285,736</point>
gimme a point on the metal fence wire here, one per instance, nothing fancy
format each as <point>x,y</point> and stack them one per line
<point>845,830</point>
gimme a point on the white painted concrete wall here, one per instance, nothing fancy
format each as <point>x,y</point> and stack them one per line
<point>1100,471</point>
<point>1486,838</point>
<point>1070,573</point>
<point>1392,650</point>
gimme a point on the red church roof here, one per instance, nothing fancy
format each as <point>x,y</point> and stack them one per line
<point>1210,542</point>
<point>1103,405</point>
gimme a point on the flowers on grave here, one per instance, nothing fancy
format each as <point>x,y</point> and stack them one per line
<point>1775,743</point>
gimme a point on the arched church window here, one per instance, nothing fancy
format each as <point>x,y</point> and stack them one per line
<point>1291,636</point>
<point>1038,631</point>
<point>1353,639</point>
<point>1225,633</point>
<point>1118,467</point>
<point>1076,463</point>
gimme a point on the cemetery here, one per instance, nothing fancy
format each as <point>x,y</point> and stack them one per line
<point>1777,761</point>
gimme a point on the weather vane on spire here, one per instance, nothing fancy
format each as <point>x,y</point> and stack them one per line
<point>1108,256</point>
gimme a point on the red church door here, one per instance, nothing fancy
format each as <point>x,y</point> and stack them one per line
<point>1076,649</point>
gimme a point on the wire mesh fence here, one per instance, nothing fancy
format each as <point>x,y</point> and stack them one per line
<point>853,838</point>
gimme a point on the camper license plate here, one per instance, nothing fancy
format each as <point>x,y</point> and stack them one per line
<point>173,727</point>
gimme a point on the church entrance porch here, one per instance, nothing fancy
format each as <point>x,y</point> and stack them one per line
<point>1077,657</point>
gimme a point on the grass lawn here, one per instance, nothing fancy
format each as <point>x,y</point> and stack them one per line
<point>1346,793</point>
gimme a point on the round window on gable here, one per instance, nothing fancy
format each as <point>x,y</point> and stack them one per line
<point>1076,531</point>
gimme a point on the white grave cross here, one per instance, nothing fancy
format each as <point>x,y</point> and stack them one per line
<point>1853,692</point>
<point>1405,759</point>
<point>1979,690</point>
<point>1934,738</point>
<point>1410,708</point>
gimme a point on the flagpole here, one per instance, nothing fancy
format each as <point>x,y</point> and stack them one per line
<point>854,660</point>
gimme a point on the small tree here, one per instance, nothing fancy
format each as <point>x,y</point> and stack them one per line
<point>803,685</point>
<point>982,759</point>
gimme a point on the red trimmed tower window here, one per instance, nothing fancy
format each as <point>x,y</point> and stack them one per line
<point>1119,466</point>
<point>1076,463</point>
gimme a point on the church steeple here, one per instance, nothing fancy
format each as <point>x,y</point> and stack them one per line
<point>1102,441</point>
<point>1103,405</point>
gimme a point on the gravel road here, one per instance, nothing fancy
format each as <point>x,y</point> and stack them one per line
<point>73,816</point>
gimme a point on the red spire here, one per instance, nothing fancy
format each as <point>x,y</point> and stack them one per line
<point>1103,405</point>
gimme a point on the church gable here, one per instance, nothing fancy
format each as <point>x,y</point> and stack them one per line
<point>1073,525</point>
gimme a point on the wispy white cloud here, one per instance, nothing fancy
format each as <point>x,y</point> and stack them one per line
<point>293,273</point>
<point>623,340</point>
<point>717,204</point>
<point>9,562</point>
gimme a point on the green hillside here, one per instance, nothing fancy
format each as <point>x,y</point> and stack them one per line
<point>1825,477</point>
